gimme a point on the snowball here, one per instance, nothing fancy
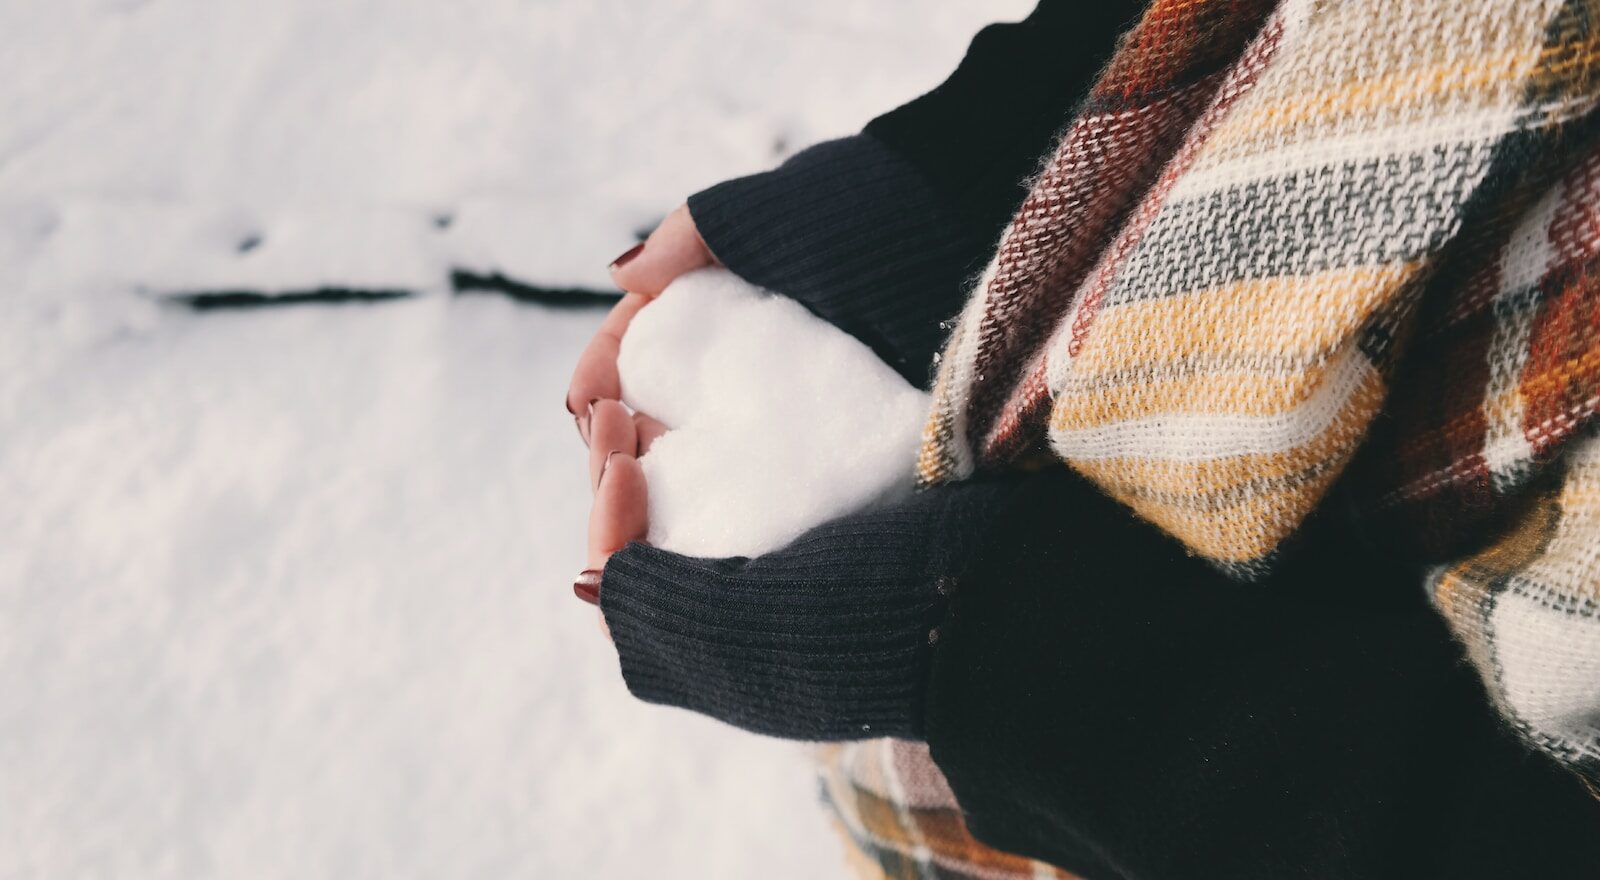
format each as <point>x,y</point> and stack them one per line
<point>779,421</point>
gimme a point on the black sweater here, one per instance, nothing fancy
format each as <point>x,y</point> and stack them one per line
<point>1096,697</point>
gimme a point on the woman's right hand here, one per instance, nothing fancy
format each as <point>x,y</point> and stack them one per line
<point>675,247</point>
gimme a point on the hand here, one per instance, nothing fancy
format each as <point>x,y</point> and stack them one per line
<point>615,436</point>
<point>675,247</point>
<point>621,511</point>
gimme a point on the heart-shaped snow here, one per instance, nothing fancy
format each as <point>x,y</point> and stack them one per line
<point>780,421</point>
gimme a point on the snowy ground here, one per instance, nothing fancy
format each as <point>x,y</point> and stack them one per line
<point>285,592</point>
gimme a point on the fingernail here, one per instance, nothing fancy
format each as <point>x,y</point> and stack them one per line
<point>600,480</point>
<point>587,586</point>
<point>627,256</point>
<point>585,420</point>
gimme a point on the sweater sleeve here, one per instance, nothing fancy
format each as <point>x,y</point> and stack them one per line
<point>854,233</point>
<point>1102,701</point>
<point>881,233</point>
<point>825,639</point>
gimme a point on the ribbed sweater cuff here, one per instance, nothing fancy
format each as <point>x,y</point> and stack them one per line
<point>827,639</point>
<point>855,233</point>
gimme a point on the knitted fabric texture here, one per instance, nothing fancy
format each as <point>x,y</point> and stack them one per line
<point>1284,243</point>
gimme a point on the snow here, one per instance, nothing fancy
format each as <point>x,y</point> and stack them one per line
<point>171,130</point>
<point>277,619</point>
<point>286,592</point>
<point>779,420</point>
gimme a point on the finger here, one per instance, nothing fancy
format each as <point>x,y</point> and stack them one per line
<point>675,247</point>
<point>610,431</point>
<point>646,429</point>
<point>595,377</point>
<point>620,513</point>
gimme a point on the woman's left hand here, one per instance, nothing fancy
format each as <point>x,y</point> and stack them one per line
<point>673,248</point>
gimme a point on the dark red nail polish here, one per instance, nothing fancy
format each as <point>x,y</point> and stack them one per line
<point>587,586</point>
<point>627,256</point>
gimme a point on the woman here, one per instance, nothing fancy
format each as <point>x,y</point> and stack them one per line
<point>1260,223</point>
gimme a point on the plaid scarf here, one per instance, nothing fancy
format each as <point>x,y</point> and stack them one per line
<point>1287,244</point>
<point>1276,237</point>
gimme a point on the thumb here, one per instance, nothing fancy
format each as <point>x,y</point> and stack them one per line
<point>675,247</point>
<point>621,512</point>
